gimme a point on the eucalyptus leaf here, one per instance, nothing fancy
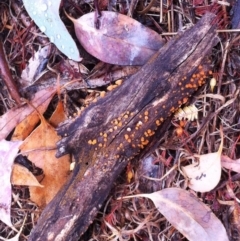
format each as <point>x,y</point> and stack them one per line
<point>187,214</point>
<point>119,39</point>
<point>45,13</point>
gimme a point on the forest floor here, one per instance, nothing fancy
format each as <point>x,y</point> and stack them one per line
<point>195,129</point>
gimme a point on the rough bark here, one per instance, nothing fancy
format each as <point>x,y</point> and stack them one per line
<point>125,124</point>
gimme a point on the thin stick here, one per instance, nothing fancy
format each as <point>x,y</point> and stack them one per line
<point>7,77</point>
<point>218,31</point>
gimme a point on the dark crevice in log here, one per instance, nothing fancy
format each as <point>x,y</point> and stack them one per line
<point>124,125</point>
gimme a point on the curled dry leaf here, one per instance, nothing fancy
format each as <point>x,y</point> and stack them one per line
<point>119,40</point>
<point>187,214</point>
<point>188,112</point>
<point>45,13</point>
<point>205,175</point>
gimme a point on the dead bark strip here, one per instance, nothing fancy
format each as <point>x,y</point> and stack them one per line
<point>125,124</point>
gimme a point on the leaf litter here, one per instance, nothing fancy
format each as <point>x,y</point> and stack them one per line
<point>39,148</point>
<point>187,214</point>
<point>138,219</point>
<point>204,175</point>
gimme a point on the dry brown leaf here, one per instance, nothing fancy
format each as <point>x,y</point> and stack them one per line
<point>119,40</point>
<point>24,129</point>
<point>58,115</point>
<point>233,165</point>
<point>22,176</point>
<point>187,214</point>
<point>38,147</point>
<point>205,175</point>
<point>14,116</point>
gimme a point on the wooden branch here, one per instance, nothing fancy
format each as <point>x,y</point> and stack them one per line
<point>125,124</point>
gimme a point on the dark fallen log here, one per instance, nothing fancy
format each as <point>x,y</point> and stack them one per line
<point>125,124</point>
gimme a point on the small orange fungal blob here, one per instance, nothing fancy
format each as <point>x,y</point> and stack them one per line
<point>102,93</point>
<point>119,82</point>
<point>158,123</point>
<point>92,142</point>
<point>145,142</point>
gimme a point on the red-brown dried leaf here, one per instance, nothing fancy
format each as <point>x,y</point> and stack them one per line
<point>119,40</point>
